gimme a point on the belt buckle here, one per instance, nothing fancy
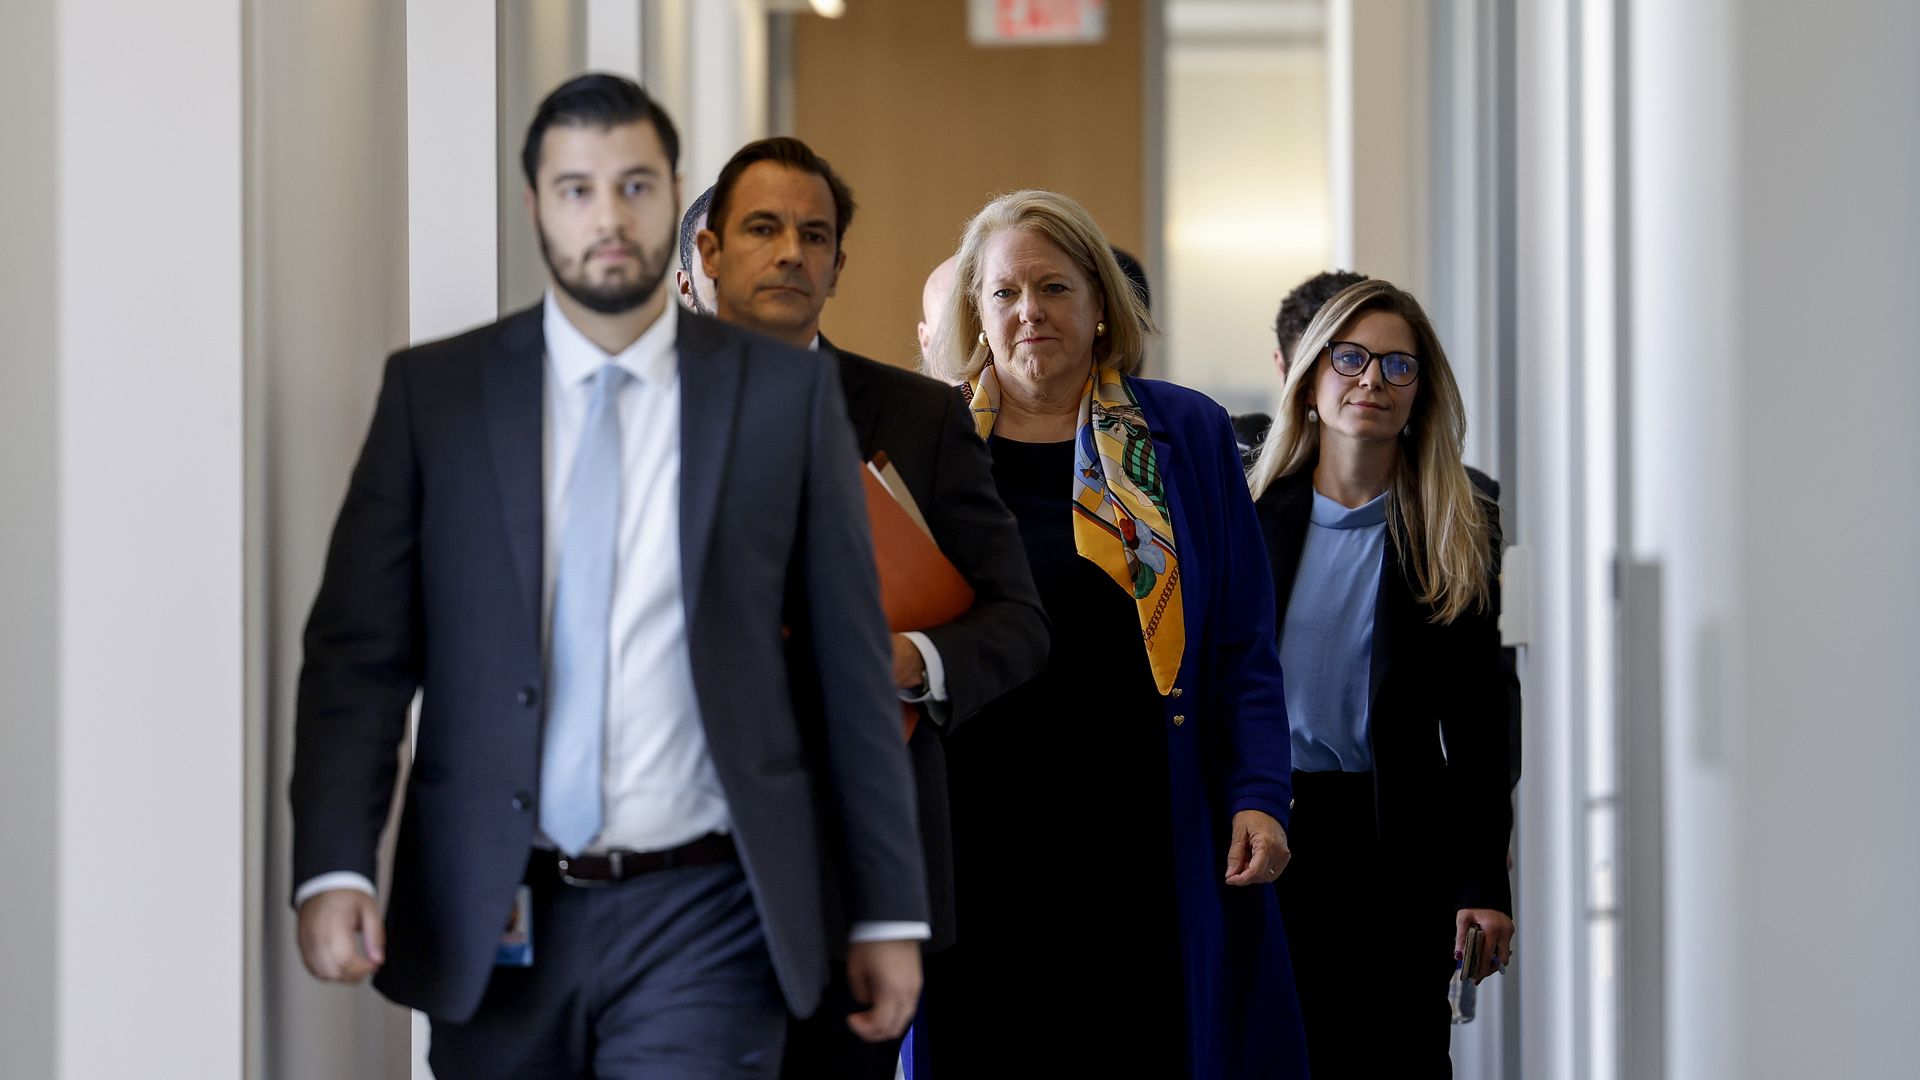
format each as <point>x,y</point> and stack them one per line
<point>565,866</point>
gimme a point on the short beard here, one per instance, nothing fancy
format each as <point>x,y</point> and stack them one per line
<point>614,297</point>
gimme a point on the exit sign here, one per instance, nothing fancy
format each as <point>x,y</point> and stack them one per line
<point>1037,22</point>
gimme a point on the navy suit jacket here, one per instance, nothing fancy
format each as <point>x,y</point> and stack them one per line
<point>433,583</point>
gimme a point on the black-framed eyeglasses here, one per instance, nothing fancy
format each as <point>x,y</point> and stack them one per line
<point>1351,358</point>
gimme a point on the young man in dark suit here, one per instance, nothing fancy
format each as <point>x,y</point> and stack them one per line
<point>579,532</point>
<point>773,248</point>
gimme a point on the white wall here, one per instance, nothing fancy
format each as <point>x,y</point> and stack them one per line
<point>29,547</point>
<point>1777,255</point>
<point>1688,433</point>
<point>147,262</point>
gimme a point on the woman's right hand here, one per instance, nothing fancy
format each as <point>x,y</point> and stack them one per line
<point>1259,850</point>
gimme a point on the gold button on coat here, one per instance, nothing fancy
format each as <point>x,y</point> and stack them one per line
<point>1178,720</point>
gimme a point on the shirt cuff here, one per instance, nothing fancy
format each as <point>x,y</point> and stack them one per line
<point>929,659</point>
<point>339,879</point>
<point>864,932</point>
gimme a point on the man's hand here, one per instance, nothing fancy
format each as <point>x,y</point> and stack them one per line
<point>909,667</point>
<point>1259,850</point>
<point>332,927</point>
<point>885,976</point>
<point>1497,931</point>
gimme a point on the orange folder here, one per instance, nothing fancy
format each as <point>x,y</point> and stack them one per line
<point>919,587</point>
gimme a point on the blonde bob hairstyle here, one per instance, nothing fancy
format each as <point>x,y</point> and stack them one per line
<point>958,354</point>
<point>1441,524</point>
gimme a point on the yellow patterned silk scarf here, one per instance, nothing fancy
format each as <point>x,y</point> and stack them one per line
<point>1120,518</point>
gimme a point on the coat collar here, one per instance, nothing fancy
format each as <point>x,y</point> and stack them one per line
<point>1285,509</point>
<point>512,392</point>
<point>711,363</point>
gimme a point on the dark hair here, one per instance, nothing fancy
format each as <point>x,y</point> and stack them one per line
<point>1304,302</point>
<point>691,223</point>
<point>791,152</point>
<point>1136,274</point>
<point>602,101</point>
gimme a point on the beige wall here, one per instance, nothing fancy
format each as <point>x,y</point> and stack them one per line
<point>926,128</point>
<point>1247,211</point>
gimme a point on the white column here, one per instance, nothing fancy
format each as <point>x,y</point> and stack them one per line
<point>147,262</point>
<point>727,81</point>
<point>452,145</point>
<point>614,37</point>
<point>1550,827</point>
<point>1378,129</point>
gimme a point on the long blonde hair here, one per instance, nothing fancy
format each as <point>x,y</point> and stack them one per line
<point>1440,522</point>
<point>957,353</point>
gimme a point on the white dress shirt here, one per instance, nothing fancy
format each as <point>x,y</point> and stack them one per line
<point>658,780</point>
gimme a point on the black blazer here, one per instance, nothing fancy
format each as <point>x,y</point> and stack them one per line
<point>433,582</point>
<point>1438,718</point>
<point>1002,641</point>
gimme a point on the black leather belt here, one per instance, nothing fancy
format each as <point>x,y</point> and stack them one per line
<point>618,865</point>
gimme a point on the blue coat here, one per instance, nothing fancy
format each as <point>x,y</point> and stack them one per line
<point>1228,747</point>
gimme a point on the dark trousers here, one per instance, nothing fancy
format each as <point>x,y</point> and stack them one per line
<point>823,1047</point>
<point>1372,940</point>
<point>664,976</point>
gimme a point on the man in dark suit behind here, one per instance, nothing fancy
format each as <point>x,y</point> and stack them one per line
<point>579,533</point>
<point>773,249</point>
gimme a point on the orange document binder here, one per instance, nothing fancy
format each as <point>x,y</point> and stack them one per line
<point>919,587</point>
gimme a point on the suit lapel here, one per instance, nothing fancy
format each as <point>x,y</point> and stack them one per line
<point>862,409</point>
<point>710,373</point>
<point>513,393</point>
<point>1284,509</point>
<point>1392,608</point>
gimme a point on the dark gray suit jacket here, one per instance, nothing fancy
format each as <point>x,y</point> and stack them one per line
<point>433,582</point>
<point>1001,642</point>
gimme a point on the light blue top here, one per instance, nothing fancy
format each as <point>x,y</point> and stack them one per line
<point>1326,645</point>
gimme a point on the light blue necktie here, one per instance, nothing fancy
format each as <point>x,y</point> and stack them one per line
<point>571,808</point>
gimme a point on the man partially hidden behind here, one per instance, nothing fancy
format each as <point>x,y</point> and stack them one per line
<point>691,283</point>
<point>933,296</point>
<point>773,247</point>
<point>579,533</point>
<point>1297,309</point>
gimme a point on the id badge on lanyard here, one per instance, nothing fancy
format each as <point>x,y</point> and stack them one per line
<point>516,941</point>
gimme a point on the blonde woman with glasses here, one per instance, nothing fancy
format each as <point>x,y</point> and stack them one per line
<point>1384,559</point>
